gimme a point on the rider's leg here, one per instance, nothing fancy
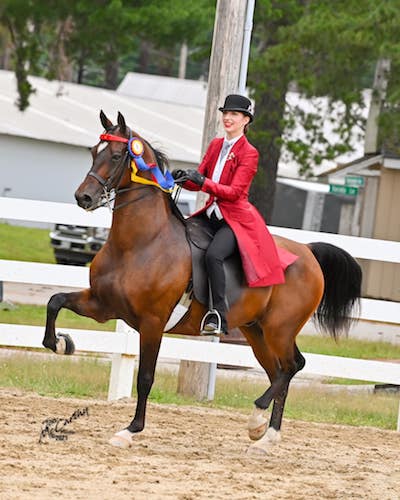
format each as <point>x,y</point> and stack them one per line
<point>222,246</point>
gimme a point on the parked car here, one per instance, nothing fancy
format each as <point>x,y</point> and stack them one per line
<point>77,245</point>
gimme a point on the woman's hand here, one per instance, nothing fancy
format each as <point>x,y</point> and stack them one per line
<point>195,177</point>
<point>179,175</point>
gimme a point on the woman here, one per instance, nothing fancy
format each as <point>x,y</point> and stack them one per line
<point>226,173</point>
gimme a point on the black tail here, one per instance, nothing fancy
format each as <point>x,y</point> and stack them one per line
<point>342,291</point>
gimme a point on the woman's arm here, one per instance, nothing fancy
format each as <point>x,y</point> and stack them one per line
<point>244,174</point>
<point>204,165</point>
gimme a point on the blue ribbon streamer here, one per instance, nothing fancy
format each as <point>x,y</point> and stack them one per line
<point>166,181</point>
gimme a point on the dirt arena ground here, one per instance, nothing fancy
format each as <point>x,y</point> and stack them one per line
<point>185,453</point>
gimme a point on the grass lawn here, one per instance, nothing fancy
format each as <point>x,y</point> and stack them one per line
<point>26,244</point>
<point>25,314</point>
<point>88,378</point>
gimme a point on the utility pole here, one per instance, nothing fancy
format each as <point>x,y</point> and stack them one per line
<point>368,195</point>
<point>183,60</point>
<point>225,62</point>
<point>227,75</point>
<point>378,96</point>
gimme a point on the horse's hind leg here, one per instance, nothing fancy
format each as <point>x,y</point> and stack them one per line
<point>257,424</point>
<point>82,303</point>
<point>290,363</point>
<point>279,401</point>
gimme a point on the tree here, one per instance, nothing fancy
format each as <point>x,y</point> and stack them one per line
<point>163,30</point>
<point>66,40</point>
<point>25,20</point>
<point>322,48</point>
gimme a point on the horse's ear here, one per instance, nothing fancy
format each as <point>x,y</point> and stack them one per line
<point>121,123</point>
<point>107,124</point>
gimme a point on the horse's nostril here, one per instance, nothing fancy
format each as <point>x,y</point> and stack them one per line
<point>84,200</point>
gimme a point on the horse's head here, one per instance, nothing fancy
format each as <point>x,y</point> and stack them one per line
<point>119,151</point>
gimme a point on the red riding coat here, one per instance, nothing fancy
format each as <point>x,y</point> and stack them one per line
<point>263,263</point>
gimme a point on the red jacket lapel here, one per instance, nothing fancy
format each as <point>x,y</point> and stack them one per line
<point>232,159</point>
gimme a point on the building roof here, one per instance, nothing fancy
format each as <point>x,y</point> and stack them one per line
<point>168,112</point>
<point>365,165</point>
<point>165,89</point>
<point>68,113</point>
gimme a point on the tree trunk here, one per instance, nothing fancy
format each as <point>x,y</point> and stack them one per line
<point>60,66</point>
<point>111,73</point>
<point>81,72</point>
<point>6,57</point>
<point>144,57</point>
<point>268,117</point>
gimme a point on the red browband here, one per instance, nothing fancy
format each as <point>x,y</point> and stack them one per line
<point>110,137</point>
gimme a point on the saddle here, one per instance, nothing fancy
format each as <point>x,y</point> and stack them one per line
<point>199,234</point>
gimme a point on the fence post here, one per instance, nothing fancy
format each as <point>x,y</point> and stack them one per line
<point>122,368</point>
<point>398,419</point>
<point>121,377</point>
<point>212,376</point>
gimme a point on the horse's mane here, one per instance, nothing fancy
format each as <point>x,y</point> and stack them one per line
<point>163,164</point>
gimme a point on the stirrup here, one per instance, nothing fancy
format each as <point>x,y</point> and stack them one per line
<point>206,329</point>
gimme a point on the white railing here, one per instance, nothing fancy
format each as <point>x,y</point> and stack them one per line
<point>123,344</point>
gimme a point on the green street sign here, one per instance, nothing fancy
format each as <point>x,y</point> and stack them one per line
<point>343,189</point>
<point>355,180</point>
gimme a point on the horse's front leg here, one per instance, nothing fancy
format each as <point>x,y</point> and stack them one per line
<point>82,303</point>
<point>149,347</point>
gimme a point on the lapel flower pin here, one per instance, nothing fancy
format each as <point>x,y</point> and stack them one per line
<point>231,156</point>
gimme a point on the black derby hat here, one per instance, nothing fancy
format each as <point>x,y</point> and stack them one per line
<point>236,102</point>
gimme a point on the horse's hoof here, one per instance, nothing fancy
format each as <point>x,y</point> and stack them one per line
<point>122,439</point>
<point>256,451</point>
<point>64,344</point>
<point>258,433</point>
<point>263,446</point>
<point>257,424</point>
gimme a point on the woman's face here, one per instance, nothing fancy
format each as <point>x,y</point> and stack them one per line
<point>234,123</point>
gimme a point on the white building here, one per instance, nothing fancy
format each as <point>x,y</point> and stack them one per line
<point>44,149</point>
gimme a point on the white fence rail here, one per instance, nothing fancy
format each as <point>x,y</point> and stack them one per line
<point>124,344</point>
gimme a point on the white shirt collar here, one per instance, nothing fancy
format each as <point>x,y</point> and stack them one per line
<point>231,142</point>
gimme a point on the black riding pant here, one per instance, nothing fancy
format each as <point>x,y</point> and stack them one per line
<point>221,247</point>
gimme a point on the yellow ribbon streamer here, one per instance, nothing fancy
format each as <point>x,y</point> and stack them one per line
<point>142,180</point>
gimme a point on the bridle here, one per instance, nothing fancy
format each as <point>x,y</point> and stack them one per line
<point>134,153</point>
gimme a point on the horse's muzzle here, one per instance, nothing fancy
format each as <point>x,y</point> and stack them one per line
<point>84,200</point>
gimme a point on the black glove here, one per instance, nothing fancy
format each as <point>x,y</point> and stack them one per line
<point>195,176</point>
<point>178,173</point>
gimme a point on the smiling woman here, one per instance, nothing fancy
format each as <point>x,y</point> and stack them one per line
<point>226,173</point>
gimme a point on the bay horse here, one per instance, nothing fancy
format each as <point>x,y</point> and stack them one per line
<point>144,268</point>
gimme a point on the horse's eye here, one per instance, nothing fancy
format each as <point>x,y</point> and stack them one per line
<point>116,157</point>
